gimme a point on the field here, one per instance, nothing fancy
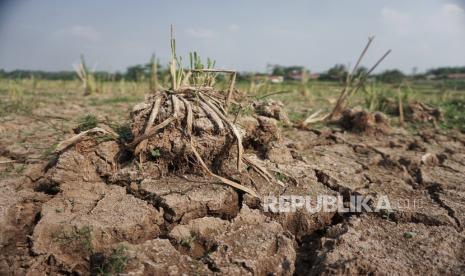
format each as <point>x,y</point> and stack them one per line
<point>89,220</point>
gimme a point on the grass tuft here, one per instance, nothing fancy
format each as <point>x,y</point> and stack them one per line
<point>114,264</point>
<point>78,237</point>
<point>87,122</point>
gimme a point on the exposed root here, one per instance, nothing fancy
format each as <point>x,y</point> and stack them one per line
<point>222,179</point>
<point>79,137</point>
<point>176,106</point>
<point>259,169</point>
<point>213,116</point>
<point>153,115</point>
<point>151,133</point>
<point>234,130</point>
<point>181,117</point>
<point>189,116</point>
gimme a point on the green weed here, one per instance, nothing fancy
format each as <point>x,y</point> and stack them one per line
<point>124,132</point>
<point>87,122</point>
<point>115,100</point>
<point>155,153</point>
<point>80,237</point>
<point>115,263</point>
<point>188,242</point>
<point>454,112</point>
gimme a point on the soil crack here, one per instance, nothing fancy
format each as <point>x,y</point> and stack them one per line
<point>434,191</point>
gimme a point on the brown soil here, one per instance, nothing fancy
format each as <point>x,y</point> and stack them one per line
<point>70,215</point>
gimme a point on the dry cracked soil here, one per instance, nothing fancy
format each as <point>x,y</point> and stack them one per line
<point>81,213</point>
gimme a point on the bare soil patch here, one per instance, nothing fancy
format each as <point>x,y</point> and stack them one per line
<point>99,206</point>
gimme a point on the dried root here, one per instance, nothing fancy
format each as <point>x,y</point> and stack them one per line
<point>189,126</point>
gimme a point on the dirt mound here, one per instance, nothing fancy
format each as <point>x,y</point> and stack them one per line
<point>421,112</point>
<point>362,121</point>
<point>273,109</point>
<point>190,130</point>
<point>178,118</point>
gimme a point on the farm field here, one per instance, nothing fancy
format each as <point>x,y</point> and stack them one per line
<point>94,206</point>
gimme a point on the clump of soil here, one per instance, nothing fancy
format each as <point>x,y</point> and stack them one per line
<point>178,131</point>
<point>273,109</point>
<point>362,121</point>
<point>263,135</point>
<point>421,112</point>
<point>178,120</point>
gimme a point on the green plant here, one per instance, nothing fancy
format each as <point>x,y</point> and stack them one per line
<point>124,132</point>
<point>372,96</point>
<point>87,122</point>
<point>80,237</point>
<point>115,263</point>
<point>199,75</point>
<point>175,66</point>
<point>201,79</point>
<point>155,153</point>
<point>386,214</point>
<point>17,100</point>
<point>378,98</point>
<point>188,241</point>
<point>454,113</point>
<point>409,235</point>
<point>296,117</point>
<point>280,176</point>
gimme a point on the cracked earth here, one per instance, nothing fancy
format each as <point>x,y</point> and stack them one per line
<point>68,215</point>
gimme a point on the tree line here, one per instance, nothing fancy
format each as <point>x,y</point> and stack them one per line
<point>141,72</point>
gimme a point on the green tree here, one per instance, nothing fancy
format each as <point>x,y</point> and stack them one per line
<point>391,76</point>
<point>337,72</point>
<point>278,70</point>
<point>136,72</point>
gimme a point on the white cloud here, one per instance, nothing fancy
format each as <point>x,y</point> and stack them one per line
<point>425,37</point>
<point>81,32</point>
<point>450,9</point>
<point>449,19</point>
<point>200,33</point>
<point>399,21</point>
<point>233,27</point>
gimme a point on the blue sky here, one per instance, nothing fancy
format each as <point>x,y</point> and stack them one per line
<point>244,34</point>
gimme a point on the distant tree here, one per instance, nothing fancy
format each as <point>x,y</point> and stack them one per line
<point>336,73</point>
<point>118,76</point>
<point>391,76</point>
<point>278,70</point>
<point>442,72</point>
<point>136,72</point>
<point>288,72</point>
<point>361,71</point>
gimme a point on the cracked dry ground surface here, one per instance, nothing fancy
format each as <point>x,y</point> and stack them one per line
<point>70,216</point>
